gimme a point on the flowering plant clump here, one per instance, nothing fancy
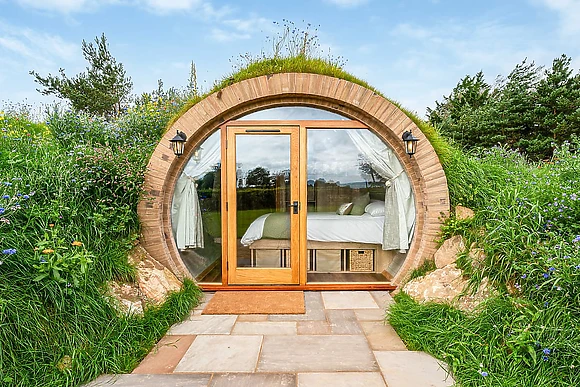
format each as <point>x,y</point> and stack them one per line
<point>527,222</point>
<point>56,261</point>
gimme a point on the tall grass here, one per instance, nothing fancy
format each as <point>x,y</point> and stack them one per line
<point>68,195</point>
<point>528,223</point>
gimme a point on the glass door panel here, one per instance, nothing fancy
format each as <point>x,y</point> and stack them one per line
<point>263,205</point>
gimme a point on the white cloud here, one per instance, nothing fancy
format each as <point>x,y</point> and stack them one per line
<point>569,13</point>
<point>221,35</point>
<point>347,3</point>
<point>35,45</point>
<point>65,6</point>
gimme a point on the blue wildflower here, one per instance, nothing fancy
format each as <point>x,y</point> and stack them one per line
<point>2,210</point>
<point>545,275</point>
<point>524,276</point>
<point>9,251</point>
<point>545,358</point>
<point>546,351</point>
<point>5,196</point>
<point>552,269</point>
<point>483,373</point>
<point>546,304</point>
<point>25,197</point>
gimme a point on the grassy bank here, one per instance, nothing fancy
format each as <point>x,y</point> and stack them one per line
<point>68,194</point>
<point>528,222</point>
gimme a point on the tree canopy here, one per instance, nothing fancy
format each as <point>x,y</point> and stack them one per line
<point>102,89</point>
<point>530,110</point>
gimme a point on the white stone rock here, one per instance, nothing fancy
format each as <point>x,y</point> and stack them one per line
<point>447,253</point>
<point>463,213</point>
<point>446,285</point>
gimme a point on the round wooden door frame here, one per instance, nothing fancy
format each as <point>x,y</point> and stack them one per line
<point>293,89</point>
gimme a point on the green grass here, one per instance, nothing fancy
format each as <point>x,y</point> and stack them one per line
<point>528,223</point>
<point>75,179</point>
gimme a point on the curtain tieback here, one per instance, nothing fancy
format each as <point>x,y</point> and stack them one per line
<point>389,182</point>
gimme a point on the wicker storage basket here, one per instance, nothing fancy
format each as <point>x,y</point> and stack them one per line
<point>361,260</point>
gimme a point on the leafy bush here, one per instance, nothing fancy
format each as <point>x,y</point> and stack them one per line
<point>68,195</point>
<point>527,221</point>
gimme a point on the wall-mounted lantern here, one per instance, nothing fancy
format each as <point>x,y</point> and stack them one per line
<point>178,143</point>
<point>410,143</point>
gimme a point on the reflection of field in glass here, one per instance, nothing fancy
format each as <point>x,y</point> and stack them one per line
<point>212,222</point>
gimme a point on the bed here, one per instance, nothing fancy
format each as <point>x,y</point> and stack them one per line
<point>321,227</point>
<point>332,240</point>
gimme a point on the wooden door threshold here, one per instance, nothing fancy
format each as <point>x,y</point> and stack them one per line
<point>313,286</point>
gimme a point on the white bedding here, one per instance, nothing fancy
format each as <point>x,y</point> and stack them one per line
<point>330,227</point>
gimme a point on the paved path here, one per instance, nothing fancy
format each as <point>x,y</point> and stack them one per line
<point>341,340</point>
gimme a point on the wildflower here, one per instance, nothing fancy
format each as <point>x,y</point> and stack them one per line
<point>577,239</point>
<point>518,286</point>
<point>2,210</point>
<point>546,351</point>
<point>25,197</point>
<point>537,286</point>
<point>47,251</point>
<point>552,269</point>
<point>77,243</point>
<point>42,260</point>
<point>524,276</point>
<point>545,358</point>
<point>5,196</point>
<point>545,275</point>
<point>51,225</point>
<point>9,251</point>
<point>546,304</point>
<point>483,373</point>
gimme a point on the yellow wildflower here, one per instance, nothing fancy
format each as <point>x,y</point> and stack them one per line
<point>77,243</point>
<point>47,251</point>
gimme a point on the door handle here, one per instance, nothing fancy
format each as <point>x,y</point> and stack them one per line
<point>295,205</point>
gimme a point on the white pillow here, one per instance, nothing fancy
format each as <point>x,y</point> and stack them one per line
<point>375,208</point>
<point>344,209</point>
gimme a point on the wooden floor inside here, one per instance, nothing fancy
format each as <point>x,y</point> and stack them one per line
<point>346,277</point>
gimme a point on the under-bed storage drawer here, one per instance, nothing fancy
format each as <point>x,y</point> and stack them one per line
<point>361,260</point>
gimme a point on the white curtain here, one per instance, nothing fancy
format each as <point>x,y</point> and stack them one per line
<point>186,211</point>
<point>399,202</point>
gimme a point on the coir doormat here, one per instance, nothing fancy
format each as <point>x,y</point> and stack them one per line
<point>256,302</point>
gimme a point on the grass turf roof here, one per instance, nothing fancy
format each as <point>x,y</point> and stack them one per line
<point>301,64</point>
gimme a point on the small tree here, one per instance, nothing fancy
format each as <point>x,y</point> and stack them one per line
<point>102,90</point>
<point>258,177</point>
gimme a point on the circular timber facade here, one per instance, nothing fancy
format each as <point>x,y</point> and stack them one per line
<point>293,89</point>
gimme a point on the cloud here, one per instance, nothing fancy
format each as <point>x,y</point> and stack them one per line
<point>65,6</point>
<point>569,13</point>
<point>347,3</point>
<point>202,8</point>
<point>222,35</point>
<point>34,45</point>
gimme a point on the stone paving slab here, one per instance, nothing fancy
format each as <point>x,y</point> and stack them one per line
<point>412,369</point>
<point>348,300</point>
<point>382,337</point>
<point>382,298</point>
<point>221,353</point>
<point>165,355</point>
<point>370,314</point>
<point>205,325</point>
<point>316,354</point>
<point>265,328</point>
<point>341,379</point>
<point>343,322</point>
<point>135,380</point>
<point>313,328</point>
<point>313,306</point>
<point>253,380</point>
<point>252,317</point>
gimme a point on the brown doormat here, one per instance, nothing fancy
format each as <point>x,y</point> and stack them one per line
<point>256,302</point>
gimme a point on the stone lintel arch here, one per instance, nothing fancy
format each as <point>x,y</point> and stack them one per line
<point>293,89</point>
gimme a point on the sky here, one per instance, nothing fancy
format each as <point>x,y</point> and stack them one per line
<point>413,51</point>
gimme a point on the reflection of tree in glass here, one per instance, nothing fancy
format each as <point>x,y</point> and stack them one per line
<point>258,177</point>
<point>367,169</point>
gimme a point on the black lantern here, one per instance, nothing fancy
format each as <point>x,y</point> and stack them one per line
<point>410,143</point>
<point>178,143</point>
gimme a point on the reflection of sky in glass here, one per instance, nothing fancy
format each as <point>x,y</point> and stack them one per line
<point>268,151</point>
<point>333,157</point>
<point>293,113</point>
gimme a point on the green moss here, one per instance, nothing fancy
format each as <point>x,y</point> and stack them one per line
<point>301,64</point>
